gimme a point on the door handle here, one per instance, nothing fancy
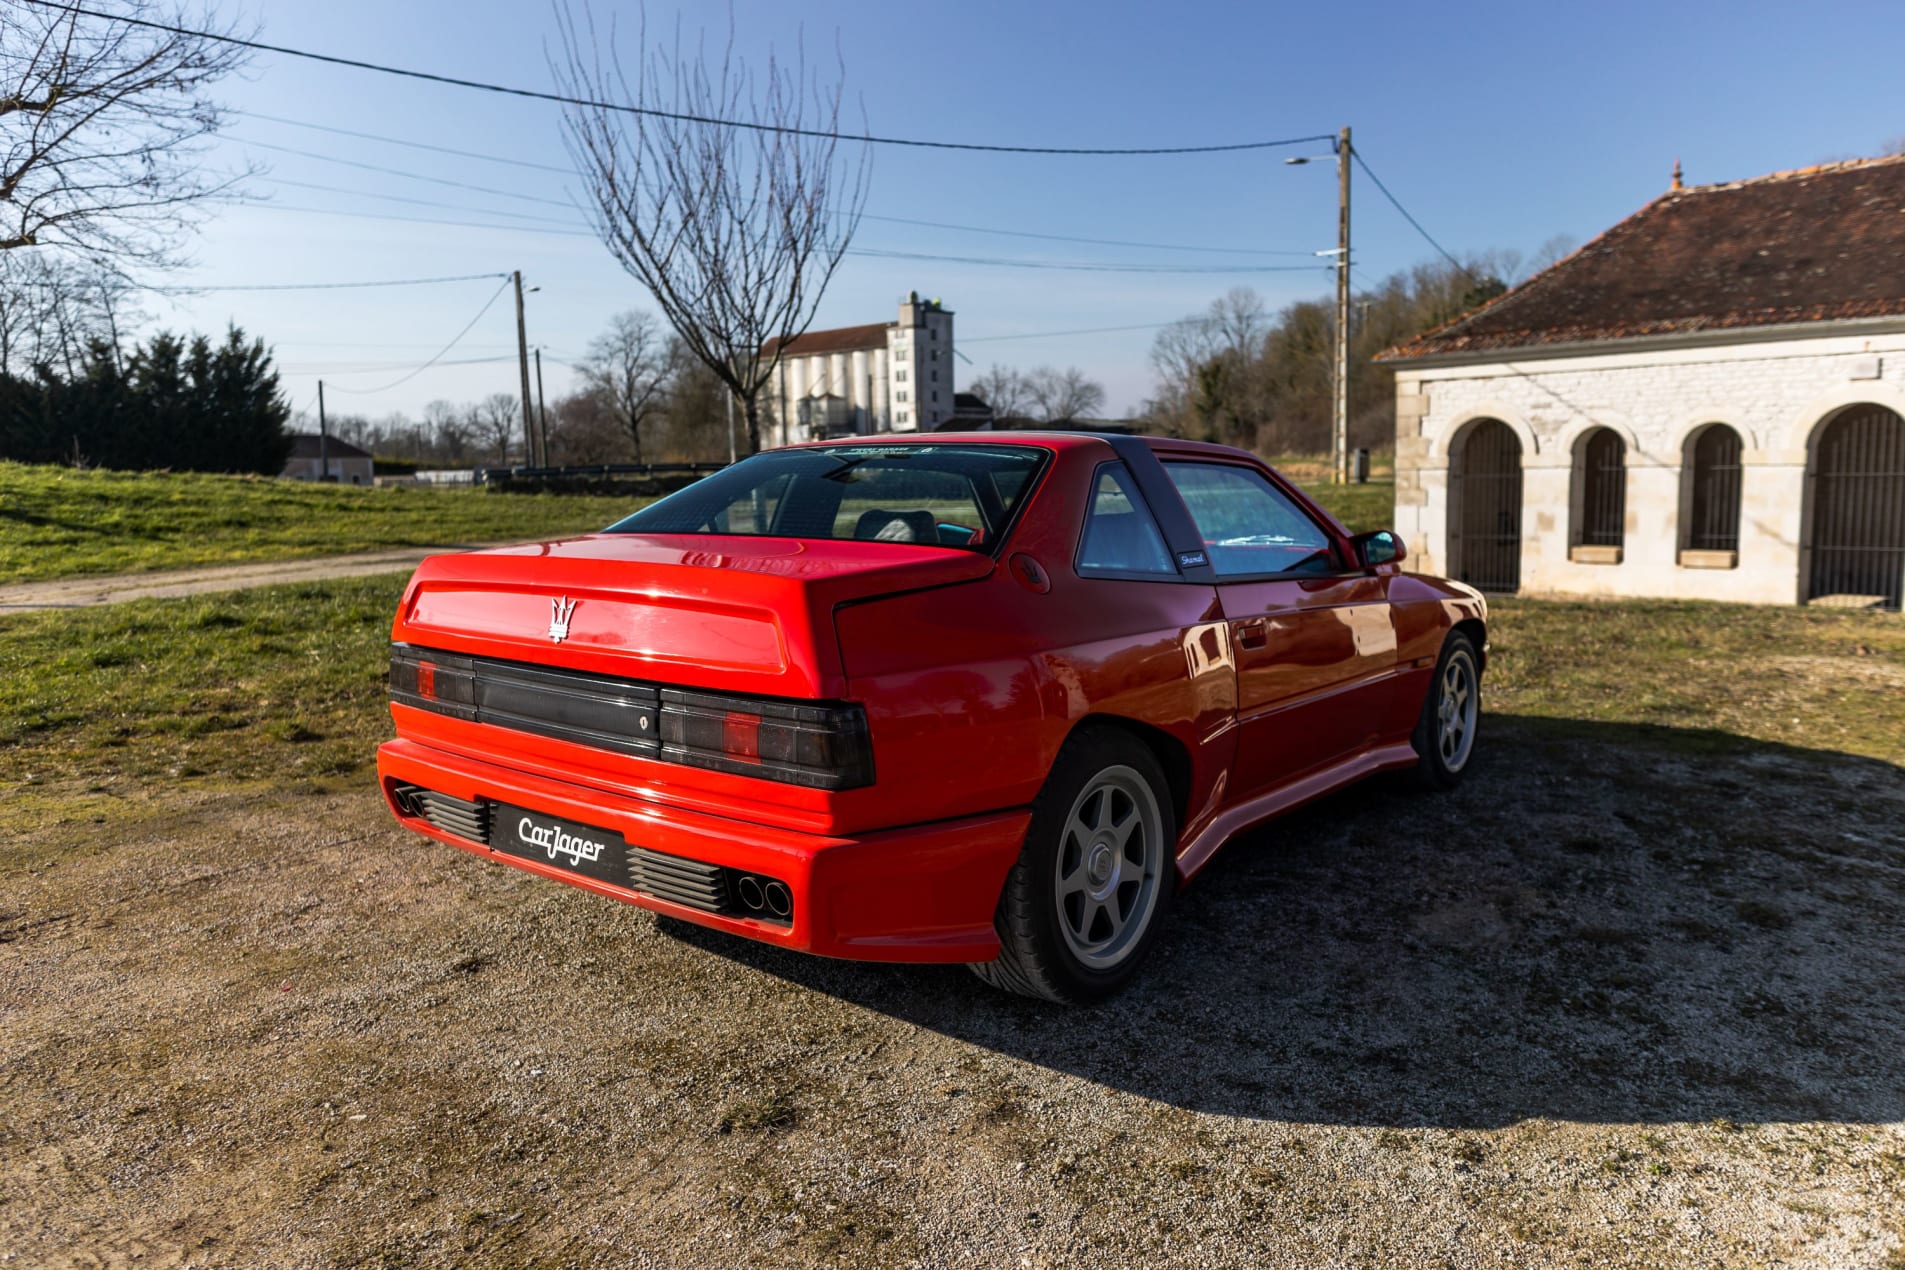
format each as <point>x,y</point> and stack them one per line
<point>1253,634</point>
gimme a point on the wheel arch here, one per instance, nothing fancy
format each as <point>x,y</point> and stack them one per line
<point>1477,632</point>
<point>1171,754</point>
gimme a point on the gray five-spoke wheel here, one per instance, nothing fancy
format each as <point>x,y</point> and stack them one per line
<point>1107,867</point>
<point>1457,700</point>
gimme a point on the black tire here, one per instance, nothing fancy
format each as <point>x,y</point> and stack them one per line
<point>1442,756</point>
<point>1049,925</point>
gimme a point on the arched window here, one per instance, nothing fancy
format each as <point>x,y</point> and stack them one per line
<point>1600,496</point>
<point>1711,503</point>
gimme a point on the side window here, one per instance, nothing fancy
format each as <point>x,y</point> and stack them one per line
<point>1249,525</point>
<point>1120,535</point>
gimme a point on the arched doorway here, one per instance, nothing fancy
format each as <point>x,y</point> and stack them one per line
<point>1856,532</point>
<point>1485,507</point>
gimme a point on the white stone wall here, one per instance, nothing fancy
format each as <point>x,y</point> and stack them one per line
<point>1774,393</point>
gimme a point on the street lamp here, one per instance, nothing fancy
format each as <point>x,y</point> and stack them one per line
<point>1339,407</point>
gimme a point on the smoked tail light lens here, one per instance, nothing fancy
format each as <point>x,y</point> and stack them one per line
<point>820,746</point>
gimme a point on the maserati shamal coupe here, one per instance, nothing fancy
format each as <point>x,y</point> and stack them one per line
<point>985,698</point>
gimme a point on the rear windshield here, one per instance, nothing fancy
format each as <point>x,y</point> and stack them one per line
<point>943,495</point>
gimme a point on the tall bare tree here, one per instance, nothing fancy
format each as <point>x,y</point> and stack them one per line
<point>1005,390</point>
<point>101,125</point>
<point>1061,396</point>
<point>53,308</point>
<point>725,193</point>
<point>494,420</point>
<point>627,367</point>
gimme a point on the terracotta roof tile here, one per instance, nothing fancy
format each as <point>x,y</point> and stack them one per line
<point>844,339</point>
<point>1815,245</point>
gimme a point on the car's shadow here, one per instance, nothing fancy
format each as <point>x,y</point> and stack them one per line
<point>1605,923</point>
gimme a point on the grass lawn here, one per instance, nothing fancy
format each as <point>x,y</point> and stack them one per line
<point>287,683</point>
<point>60,523</point>
<point>1360,507</point>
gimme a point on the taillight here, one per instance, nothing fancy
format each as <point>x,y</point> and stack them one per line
<point>820,745</point>
<point>823,746</point>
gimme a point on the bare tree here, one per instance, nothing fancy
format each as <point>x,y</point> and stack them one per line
<point>582,429</point>
<point>101,151</point>
<point>1005,390</point>
<point>735,227</point>
<point>627,367</point>
<point>1239,320</point>
<point>494,421</point>
<point>1060,396</point>
<point>53,309</point>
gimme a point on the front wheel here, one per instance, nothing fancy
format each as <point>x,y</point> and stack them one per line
<point>1083,903</point>
<point>1444,739</point>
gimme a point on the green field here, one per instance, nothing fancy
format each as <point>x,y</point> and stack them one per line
<point>1360,507</point>
<point>287,683</point>
<point>61,523</point>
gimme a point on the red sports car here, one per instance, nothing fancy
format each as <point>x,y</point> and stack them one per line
<point>982,698</point>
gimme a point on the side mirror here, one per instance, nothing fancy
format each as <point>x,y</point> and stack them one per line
<point>1380,547</point>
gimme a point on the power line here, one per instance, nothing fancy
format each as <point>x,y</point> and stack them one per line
<point>398,383</point>
<point>414,202</point>
<point>1357,155</point>
<point>412,176</point>
<point>365,368</point>
<point>1081,266</point>
<point>346,286</point>
<point>1084,266</point>
<point>422,220</point>
<point>547,167</point>
<point>1046,335</point>
<point>1073,238</point>
<point>623,108</point>
<point>399,141</point>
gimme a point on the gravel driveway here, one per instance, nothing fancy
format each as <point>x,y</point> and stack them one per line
<point>1615,1002</point>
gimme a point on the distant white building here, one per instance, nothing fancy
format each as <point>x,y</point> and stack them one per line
<point>856,380</point>
<point>315,458</point>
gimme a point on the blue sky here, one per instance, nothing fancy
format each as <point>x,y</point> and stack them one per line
<point>1499,125</point>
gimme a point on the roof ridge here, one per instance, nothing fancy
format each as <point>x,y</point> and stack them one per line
<point>1792,174</point>
<point>1523,287</point>
<point>1787,248</point>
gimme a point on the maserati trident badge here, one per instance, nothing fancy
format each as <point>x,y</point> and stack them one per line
<point>560,612</point>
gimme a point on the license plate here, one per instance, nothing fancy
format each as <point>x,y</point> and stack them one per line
<point>574,848</point>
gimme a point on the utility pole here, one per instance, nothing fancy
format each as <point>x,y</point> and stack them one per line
<point>1340,413</point>
<point>522,360</point>
<point>324,440</point>
<point>542,412</point>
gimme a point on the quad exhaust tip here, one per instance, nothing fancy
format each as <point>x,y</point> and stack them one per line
<point>768,897</point>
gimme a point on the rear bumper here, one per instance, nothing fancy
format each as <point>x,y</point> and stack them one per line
<point>921,894</point>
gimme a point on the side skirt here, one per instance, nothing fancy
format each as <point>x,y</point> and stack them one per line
<point>1234,820</point>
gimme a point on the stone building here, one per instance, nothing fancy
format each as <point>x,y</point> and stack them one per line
<point>1707,401</point>
<point>855,380</point>
<point>315,458</point>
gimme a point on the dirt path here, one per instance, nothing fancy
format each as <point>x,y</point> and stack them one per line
<point>1605,1005</point>
<point>71,593</point>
